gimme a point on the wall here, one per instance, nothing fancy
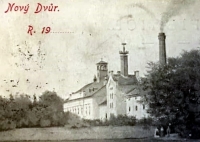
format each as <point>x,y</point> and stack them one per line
<point>89,111</point>
<point>120,103</point>
<point>134,108</point>
<point>103,112</point>
<point>111,97</point>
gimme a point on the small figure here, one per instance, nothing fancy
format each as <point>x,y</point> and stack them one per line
<point>168,131</point>
<point>156,134</point>
<point>161,132</point>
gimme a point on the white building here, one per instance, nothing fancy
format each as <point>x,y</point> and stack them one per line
<point>87,101</point>
<point>123,95</point>
<point>134,107</point>
<point>119,95</point>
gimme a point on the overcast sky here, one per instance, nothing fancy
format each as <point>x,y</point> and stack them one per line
<point>64,62</point>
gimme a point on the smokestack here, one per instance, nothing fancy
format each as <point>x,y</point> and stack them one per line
<point>124,61</point>
<point>162,48</point>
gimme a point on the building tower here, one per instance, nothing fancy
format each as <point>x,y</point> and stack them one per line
<point>102,71</point>
<point>124,61</point>
<point>162,48</point>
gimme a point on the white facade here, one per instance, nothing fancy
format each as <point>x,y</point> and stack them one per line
<point>86,108</point>
<point>135,108</point>
<point>103,112</point>
<point>124,99</point>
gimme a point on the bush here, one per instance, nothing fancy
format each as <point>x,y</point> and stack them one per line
<point>45,123</point>
<point>122,120</point>
<point>21,112</point>
<point>145,121</point>
<point>7,125</point>
<point>95,122</point>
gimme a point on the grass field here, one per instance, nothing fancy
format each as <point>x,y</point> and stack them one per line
<point>62,133</point>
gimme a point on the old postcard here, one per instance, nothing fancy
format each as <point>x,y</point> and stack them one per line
<point>99,70</point>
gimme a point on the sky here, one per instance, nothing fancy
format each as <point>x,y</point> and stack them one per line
<point>83,32</point>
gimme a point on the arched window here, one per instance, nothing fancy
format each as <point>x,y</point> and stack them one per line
<point>129,109</point>
<point>136,108</point>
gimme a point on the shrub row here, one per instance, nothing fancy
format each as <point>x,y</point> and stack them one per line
<point>21,112</point>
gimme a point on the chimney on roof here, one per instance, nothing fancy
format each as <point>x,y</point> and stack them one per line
<point>137,75</point>
<point>124,61</point>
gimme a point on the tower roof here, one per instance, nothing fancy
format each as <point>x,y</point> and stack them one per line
<point>102,62</point>
<point>124,50</point>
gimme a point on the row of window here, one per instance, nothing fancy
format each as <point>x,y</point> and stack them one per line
<point>79,109</point>
<point>136,108</point>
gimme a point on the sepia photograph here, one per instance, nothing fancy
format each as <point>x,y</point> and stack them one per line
<point>97,70</point>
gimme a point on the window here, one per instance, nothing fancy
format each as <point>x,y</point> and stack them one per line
<point>111,96</point>
<point>85,109</point>
<point>129,109</point>
<point>111,105</point>
<point>143,106</point>
<point>136,108</point>
<point>106,115</point>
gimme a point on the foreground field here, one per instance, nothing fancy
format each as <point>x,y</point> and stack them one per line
<point>56,133</point>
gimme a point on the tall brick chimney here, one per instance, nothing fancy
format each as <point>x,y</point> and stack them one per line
<point>124,61</point>
<point>162,48</point>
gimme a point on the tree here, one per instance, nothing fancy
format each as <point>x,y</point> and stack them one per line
<point>173,91</point>
<point>53,114</point>
<point>51,100</point>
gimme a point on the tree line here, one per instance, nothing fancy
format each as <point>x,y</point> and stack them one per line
<point>18,112</point>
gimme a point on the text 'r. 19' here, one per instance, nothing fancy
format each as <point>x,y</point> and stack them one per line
<point>45,30</point>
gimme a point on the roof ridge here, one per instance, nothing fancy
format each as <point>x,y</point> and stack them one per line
<point>83,87</point>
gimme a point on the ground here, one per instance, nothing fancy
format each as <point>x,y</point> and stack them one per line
<point>97,134</point>
<point>63,133</point>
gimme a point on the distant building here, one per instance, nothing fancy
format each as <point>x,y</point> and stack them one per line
<point>109,94</point>
<point>87,101</point>
<point>123,95</point>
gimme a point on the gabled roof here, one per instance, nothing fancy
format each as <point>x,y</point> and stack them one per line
<point>96,89</point>
<point>83,88</point>
<point>100,96</point>
<point>127,88</point>
<point>129,80</point>
<point>127,85</point>
<point>104,102</point>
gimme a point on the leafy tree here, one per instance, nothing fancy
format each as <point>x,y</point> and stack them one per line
<point>19,112</point>
<point>53,113</point>
<point>173,92</point>
<point>51,100</point>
